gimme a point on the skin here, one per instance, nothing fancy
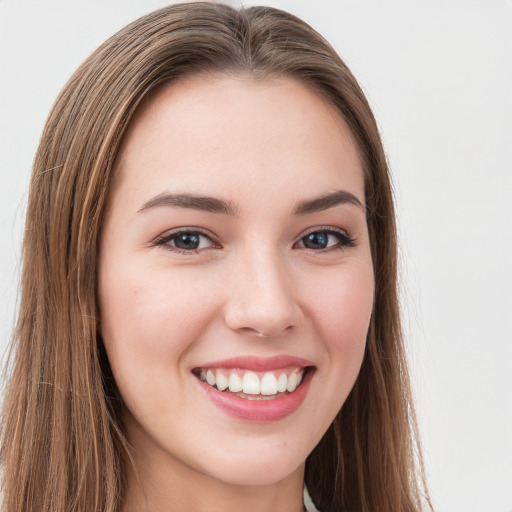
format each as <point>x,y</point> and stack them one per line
<point>256,290</point>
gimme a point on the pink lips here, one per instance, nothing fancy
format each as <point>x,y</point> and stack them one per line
<point>259,410</point>
<point>259,364</point>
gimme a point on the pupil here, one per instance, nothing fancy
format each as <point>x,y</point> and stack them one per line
<point>316,240</point>
<point>187,241</point>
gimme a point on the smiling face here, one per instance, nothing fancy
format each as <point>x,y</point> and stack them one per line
<point>235,279</point>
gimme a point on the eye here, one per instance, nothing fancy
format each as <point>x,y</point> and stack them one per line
<point>186,241</point>
<point>325,239</point>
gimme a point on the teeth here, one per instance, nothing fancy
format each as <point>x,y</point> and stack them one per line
<point>251,383</point>
<point>235,383</point>
<point>282,382</point>
<point>292,383</point>
<point>221,380</point>
<point>210,378</point>
<point>268,384</point>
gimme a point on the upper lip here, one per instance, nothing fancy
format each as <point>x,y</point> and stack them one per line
<point>259,364</point>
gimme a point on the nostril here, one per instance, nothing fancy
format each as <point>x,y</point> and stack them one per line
<point>263,333</point>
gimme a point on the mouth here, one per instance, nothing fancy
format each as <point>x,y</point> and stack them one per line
<point>251,385</point>
<point>255,389</point>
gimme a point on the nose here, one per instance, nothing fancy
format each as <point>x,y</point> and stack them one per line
<point>261,298</point>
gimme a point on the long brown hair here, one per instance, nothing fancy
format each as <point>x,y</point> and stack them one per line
<point>63,447</point>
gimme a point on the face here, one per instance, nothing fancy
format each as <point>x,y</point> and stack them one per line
<point>235,277</point>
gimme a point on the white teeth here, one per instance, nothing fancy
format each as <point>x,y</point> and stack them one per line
<point>292,383</point>
<point>251,384</point>
<point>268,384</point>
<point>210,378</point>
<point>235,383</point>
<point>221,380</point>
<point>282,382</point>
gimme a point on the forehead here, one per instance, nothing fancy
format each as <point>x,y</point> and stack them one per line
<point>231,133</point>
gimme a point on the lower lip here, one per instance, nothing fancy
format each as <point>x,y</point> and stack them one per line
<point>259,410</point>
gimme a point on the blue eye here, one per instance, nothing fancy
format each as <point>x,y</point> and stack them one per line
<point>186,241</point>
<point>325,239</point>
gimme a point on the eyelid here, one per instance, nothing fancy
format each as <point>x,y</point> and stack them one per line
<point>163,239</point>
<point>330,229</point>
<point>346,239</point>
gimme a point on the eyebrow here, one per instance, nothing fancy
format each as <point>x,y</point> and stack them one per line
<point>215,205</point>
<point>324,202</point>
<point>207,204</point>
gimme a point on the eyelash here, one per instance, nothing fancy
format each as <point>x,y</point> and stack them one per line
<point>165,240</point>
<point>344,240</point>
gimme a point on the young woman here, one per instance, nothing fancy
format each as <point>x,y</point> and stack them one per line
<point>209,316</point>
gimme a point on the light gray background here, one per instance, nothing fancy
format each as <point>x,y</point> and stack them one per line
<point>439,77</point>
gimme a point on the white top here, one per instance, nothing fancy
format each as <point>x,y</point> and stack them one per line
<point>308,502</point>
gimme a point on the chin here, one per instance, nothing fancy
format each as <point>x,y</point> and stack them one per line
<point>257,461</point>
<point>258,472</point>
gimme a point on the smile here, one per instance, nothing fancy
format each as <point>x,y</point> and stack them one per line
<point>255,389</point>
<point>252,385</point>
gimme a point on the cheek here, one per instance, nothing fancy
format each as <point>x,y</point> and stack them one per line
<point>340,307</point>
<point>342,311</point>
<point>149,317</point>
<point>345,305</point>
